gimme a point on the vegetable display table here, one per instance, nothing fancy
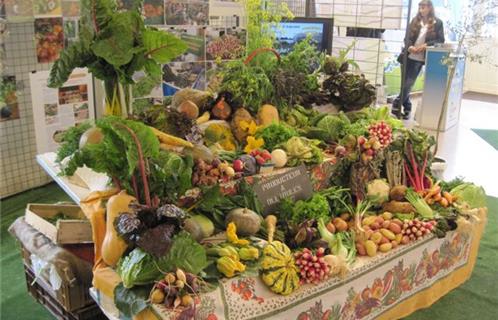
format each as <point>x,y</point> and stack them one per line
<point>388,286</point>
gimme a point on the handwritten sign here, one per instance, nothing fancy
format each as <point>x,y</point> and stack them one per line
<point>294,184</point>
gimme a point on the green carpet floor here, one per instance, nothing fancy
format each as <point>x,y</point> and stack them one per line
<point>490,136</point>
<point>16,303</point>
<point>475,298</point>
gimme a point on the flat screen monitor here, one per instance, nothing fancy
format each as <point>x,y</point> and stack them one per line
<point>288,33</point>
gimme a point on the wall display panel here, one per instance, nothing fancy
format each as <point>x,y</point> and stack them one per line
<point>19,170</point>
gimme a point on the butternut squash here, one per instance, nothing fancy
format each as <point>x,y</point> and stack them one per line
<point>95,213</point>
<point>114,246</point>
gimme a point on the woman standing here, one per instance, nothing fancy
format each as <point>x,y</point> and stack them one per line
<point>425,30</point>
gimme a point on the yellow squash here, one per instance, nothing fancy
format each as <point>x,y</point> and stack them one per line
<point>114,246</point>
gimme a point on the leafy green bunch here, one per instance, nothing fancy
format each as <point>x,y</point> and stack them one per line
<point>115,44</point>
<point>129,153</point>
<point>249,85</point>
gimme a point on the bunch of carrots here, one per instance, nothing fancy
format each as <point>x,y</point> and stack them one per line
<point>434,195</point>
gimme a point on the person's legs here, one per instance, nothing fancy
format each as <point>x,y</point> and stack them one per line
<point>412,71</point>
<point>404,89</point>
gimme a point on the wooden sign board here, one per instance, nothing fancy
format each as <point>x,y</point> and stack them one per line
<point>294,184</point>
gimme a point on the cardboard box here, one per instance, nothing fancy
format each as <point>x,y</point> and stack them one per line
<point>65,231</point>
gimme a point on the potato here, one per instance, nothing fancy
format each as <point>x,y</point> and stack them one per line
<point>394,244</point>
<point>376,237</point>
<point>375,226</point>
<point>398,193</point>
<point>369,220</point>
<point>396,229</point>
<point>405,240</point>
<point>371,248</point>
<point>340,224</point>
<point>386,247</point>
<point>388,234</point>
<point>379,220</point>
<point>360,247</point>
<point>386,224</point>
<point>399,207</point>
<point>399,237</point>
<point>384,240</point>
<point>387,215</point>
<point>398,222</point>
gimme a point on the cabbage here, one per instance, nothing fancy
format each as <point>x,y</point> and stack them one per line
<point>469,194</point>
<point>333,127</point>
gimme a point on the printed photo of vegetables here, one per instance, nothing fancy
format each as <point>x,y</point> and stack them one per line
<point>80,112</point>
<point>176,12</point>
<point>183,12</point>
<point>70,8</point>
<point>73,94</point>
<point>70,31</point>
<point>51,112</point>
<point>47,7</point>
<point>198,13</point>
<point>194,37</point>
<point>16,10</point>
<point>49,37</point>
<point>153,11</point>
<point>185,74</point>
<point>226,44</point>
<point>9,108</point>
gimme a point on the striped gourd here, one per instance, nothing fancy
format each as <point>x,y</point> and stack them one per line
<point>278,269</point>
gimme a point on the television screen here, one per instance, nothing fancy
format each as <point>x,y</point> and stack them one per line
<point>291,32</point>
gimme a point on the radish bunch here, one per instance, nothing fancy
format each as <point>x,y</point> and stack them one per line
<point>416,229</point>
<point>382,131</point>
<point>312,266</point>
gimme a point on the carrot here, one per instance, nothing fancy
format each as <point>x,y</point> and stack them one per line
<point>448,197</point>
<point>438,197</point>
<point>444,202</point>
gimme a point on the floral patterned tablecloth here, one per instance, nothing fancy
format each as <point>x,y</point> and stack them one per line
<point>388,286</point>
<point>373,286</point>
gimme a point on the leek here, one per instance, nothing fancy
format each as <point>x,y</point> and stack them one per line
<point>419,204</point>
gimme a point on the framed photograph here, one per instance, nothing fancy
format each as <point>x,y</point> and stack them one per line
<point>225,43</point>
<point>185,75</point>
<point>47,7</point>
<point>154,12</point>
<point>49,38</point>
<point>195,39</point>
<point>9,107</point>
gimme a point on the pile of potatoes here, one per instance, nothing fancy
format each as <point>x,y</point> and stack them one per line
<point>382,233</point>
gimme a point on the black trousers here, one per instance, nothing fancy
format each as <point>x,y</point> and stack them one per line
<point>410,75</point>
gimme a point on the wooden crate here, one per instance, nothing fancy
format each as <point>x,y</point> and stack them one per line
<point>70,298</point>
<point>77,230</point>
<point>38,290</point>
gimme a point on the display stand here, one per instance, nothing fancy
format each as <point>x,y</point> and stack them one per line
<point>436,79</point>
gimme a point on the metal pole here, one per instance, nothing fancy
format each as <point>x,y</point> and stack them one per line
<point>405,56</point>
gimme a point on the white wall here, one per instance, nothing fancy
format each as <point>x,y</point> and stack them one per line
<point>483,78</point>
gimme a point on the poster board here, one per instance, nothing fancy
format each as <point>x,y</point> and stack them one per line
<point>55,110</point>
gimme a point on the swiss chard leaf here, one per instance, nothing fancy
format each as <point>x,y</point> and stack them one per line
<point>113,126</point>
<point>186,254</point>
<point>162,46</point>
<point>132,301</point>
<point>138,268</point>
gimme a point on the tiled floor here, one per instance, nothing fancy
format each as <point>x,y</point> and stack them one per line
<point>466,153</point>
